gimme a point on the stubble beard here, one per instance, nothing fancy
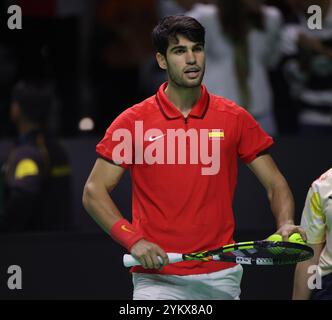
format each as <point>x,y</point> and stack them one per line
<point>182,83</point>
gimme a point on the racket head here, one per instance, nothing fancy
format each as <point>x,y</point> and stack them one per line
<point>257,253</point>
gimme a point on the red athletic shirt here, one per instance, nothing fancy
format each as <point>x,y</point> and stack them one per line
<point>174,204</point>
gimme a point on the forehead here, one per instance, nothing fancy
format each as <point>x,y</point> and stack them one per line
<point>180,40</point>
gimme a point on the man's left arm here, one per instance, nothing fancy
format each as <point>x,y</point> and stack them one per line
<point>279,195</point>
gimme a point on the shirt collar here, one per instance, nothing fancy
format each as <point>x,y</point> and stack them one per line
<point>171,112</point>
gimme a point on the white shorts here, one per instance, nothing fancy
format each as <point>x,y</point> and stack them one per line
<point>220,285</point>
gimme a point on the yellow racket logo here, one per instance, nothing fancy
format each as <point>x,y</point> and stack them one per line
<point>199,256</point>
<point>124,228</point>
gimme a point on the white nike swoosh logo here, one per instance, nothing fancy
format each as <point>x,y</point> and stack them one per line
<point>156,138</point>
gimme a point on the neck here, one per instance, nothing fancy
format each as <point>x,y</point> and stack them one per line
<point>183,99</point>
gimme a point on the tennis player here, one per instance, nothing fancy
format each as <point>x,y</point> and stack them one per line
<point>183,205</point>
<point>313,278</point>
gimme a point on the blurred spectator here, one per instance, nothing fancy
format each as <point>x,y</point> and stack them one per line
<point>284,107</point>
<point>242,45</point>
<point>47,46</point>
<point>172,7</point>
<point>8,67</point>
<point>290,9</point>
<point>8,71</point>
<point>307,68</point>
<point>37,173</point>
<point>121,44</point>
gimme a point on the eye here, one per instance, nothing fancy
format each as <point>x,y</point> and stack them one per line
<point>179,51</point>
<point>198,48</point>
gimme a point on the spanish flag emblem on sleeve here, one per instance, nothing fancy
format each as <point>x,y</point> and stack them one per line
<point>216,134</point>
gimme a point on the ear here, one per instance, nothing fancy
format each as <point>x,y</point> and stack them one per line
<point>161,61</point>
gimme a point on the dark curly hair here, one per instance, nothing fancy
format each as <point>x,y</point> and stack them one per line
<point>34,98</point>
<point>172,26</point>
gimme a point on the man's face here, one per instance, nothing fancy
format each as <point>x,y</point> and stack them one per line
<point>184,62</point>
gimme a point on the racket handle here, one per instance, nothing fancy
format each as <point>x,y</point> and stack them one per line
<point>130,261</point>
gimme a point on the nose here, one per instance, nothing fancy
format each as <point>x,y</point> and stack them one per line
<point>190,57</point>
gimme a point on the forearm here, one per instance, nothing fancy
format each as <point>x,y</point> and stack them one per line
<point>278,191</point>
<point>282,203</point>
<point>100,206</point>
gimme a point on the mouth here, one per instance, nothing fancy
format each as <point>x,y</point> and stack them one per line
<point>192,72</point>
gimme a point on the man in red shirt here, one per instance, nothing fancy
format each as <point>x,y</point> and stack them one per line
<point>181,147</point>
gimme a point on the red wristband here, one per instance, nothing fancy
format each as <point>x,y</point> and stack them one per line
<point>124,233</point>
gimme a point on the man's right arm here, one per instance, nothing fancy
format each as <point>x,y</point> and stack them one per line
<point>96,199</point>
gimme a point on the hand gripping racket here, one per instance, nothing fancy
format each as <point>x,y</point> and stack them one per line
<point>248,253</point>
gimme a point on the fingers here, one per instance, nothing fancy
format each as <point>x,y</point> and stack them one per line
<point>302,233</point>
<point>299,230</point>
<point>159,258</point>
<point>143,261</point>
<point>285,234</point>
<point>287,230</point>
<point>163,256</point>
<point>149,255</point>
<point>149,262</point>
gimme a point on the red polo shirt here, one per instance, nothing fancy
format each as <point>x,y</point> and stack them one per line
<point>174,204</point>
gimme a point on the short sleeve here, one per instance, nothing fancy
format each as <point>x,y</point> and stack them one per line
<point>252,138</point>
<point>313,217</point>
<point>117,143</point>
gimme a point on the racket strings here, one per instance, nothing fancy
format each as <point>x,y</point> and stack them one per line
<point>265,253</point>
<point>279,254</point>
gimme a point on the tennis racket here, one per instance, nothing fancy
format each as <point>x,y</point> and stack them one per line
<point>264,253</point>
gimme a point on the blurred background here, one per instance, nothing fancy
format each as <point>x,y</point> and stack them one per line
<point>95,58</point>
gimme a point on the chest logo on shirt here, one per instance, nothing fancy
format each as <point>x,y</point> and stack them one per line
<point>194,146</point>
<point>216,134</point>
<point>154,138</point>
